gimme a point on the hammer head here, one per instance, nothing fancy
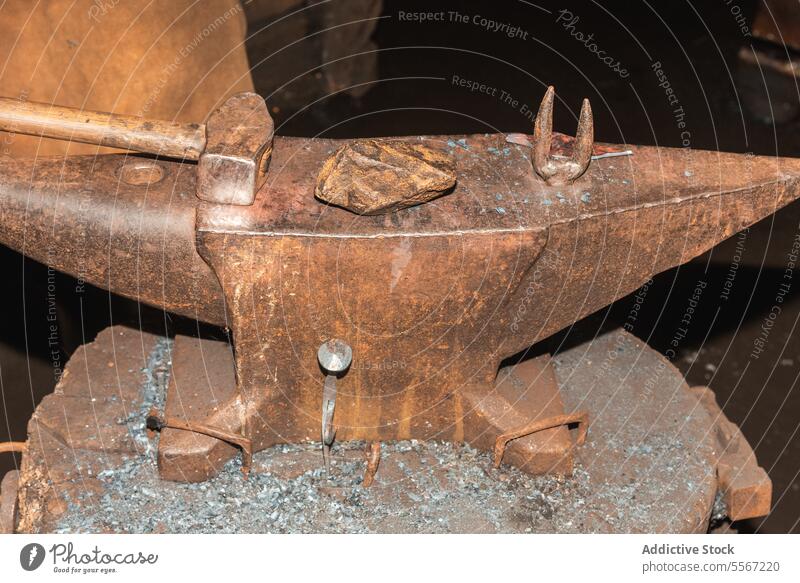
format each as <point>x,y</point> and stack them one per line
<point>234,163</point>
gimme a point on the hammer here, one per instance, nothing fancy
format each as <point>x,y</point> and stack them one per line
<point>232,148</point>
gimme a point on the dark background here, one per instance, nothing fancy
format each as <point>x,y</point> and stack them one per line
<point>697,45</point>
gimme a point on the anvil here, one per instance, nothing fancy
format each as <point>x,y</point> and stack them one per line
<point>537,232</point>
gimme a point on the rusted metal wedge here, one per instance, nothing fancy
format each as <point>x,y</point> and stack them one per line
<point>557,171</point>
<point>157,422</point>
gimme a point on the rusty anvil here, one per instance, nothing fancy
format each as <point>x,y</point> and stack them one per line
<point>534,233</point>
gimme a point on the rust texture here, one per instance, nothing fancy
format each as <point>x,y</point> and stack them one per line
<point>745,486</point>
<point>672,191</point>
<point>137,240</point>
<point>234,164</point>
<point>155,422</point>
<point>370,177</point>
<point>198,394</point>
<point>486,277</point>
<point>558,171</point>
<point>373,455</point>
<point>524,393</point>
<point>580,419</point>
<point>431,298</point>
<point>208,394</point>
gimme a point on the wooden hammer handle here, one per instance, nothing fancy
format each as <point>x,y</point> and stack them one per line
<point>163,138</point>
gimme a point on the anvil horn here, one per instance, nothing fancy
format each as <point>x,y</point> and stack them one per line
<point>632,217</point>
<point>80,216</point>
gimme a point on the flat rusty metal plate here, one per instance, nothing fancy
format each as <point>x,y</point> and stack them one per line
<point>648,463</point>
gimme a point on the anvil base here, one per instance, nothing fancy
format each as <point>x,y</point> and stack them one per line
<point>202,389</point>
<point>657,455</point>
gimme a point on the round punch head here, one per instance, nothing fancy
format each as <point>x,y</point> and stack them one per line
<point>335,356</point>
